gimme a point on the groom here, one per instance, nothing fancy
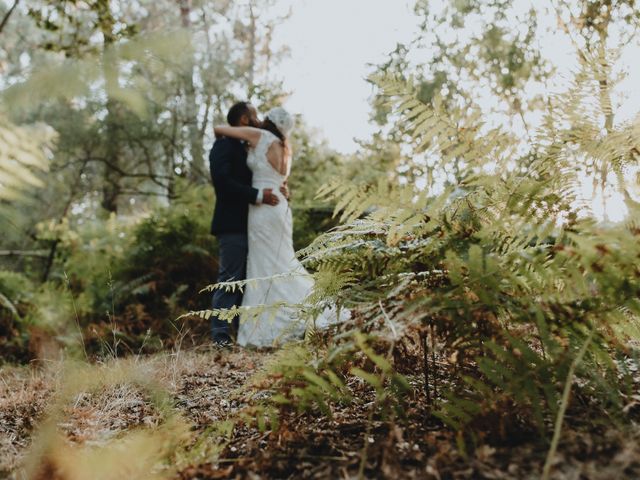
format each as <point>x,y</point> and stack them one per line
<point>232,183</point>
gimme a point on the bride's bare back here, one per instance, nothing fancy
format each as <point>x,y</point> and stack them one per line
<point>279,156</point>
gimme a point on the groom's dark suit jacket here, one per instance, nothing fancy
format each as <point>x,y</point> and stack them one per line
<point>232,182</point>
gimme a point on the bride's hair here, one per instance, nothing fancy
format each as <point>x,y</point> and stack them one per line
<point>269,126</point>
<point>280,123</point>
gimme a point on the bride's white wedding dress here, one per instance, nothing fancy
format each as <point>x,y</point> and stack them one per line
<point>271,254</point>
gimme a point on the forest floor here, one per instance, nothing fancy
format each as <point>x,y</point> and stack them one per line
<point>209,387</point>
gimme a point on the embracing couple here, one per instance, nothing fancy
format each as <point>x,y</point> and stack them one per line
<point>250,162</point>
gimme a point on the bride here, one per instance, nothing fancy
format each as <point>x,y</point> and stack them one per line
<point>276,279</point>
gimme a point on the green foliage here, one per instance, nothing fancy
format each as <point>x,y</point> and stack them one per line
<point>308,223</point>
<point>134,95</point>
<point>172,247</point>
<point>495,52</point>
<point>313,163</point>
<point>74,78</point>
<point>72,27</point>
<point>32,315</point>
<point>15,286</point>
<point>54,315</point>
<point>308,378</point>
<point>21,158</point>
<point>120,282</point>
<point>305,381</point>
<point>16,292</point>
<point>504,270</point>
<point>592,20</point>
<point>133,278</point>
<point>91,254</point>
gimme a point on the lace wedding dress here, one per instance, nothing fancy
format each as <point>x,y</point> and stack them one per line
<point>271,254</point>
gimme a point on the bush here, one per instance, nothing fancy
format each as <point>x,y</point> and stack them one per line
<point>118,285</point>
<point>171,257</point>
<point>132,279</point>
<point>89,256</point>
<point>16,292</point>
<point>500,282</point>
<point>15,287</point>
<point>35,322</point>
<point>310,222</point>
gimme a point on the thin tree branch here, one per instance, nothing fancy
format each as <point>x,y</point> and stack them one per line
<point>8,15</point>
<point>24,253</point>
<point>546,472</point>
<point>120,171</point>
<point>139,193</point>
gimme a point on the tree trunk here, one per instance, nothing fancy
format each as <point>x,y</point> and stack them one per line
<point>170,155</point>
<point>252,49</point>
<point>197,173</point>
<point>112,174</point>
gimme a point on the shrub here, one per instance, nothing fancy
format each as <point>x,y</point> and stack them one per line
<point>35,322</point>
<point>171,257</point>
<point>15,287</point>
<point>502,281</point>
<point>132,278</point>
<point>90,255</point>
<point>310,222</point>
<point>16,292</point>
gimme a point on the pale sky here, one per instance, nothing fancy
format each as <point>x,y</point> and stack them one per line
<point>331,43</point>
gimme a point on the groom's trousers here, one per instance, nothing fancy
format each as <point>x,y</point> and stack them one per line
<point>232,267</point>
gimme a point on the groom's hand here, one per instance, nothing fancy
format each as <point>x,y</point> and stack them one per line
<point>268,197</point>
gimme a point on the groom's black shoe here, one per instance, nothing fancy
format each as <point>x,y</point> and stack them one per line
<point>223,341</point>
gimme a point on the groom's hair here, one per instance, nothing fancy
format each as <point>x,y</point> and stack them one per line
<point>236,112</point>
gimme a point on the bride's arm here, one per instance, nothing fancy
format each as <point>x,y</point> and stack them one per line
<point>248,134</point>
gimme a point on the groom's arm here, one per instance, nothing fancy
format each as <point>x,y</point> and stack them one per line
<point>220,160</point>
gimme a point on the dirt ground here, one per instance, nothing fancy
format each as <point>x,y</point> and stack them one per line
<point>208,387</point>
